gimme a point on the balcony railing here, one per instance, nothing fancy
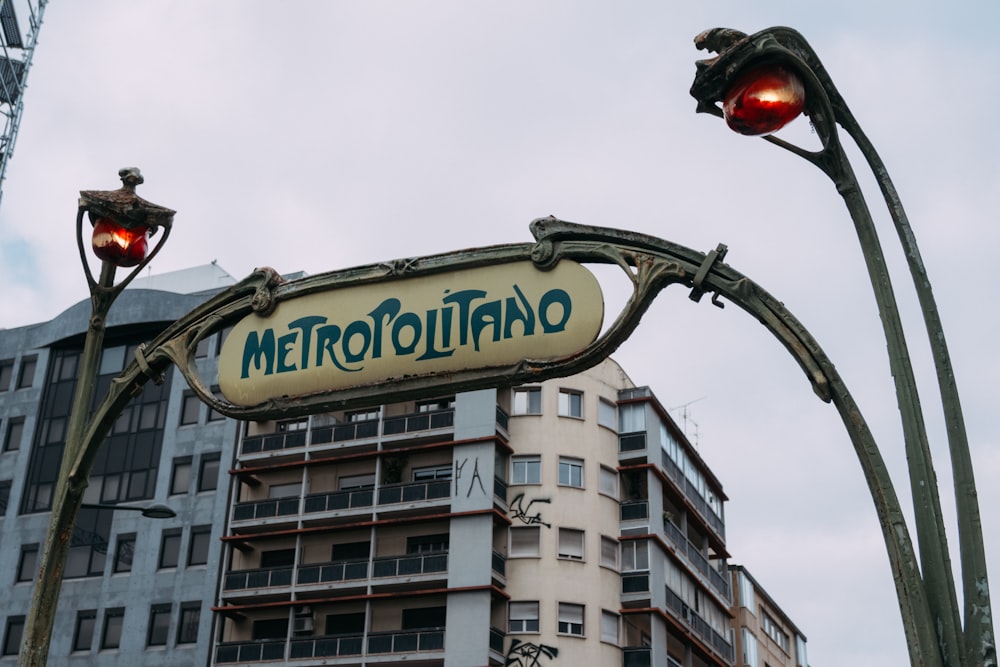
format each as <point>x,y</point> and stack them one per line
<point>696,557</point>
<point>634,509</point>
<point>631,442</point>
<point>407,565</point>
<point>414,492</point>
<point>500,489</point>
<point>339,500</point>
<point>700,626</point>
<point>266,509</point>
<point>324,647</point>
<point>635,582</point>
<point>496,639</point>
<point>499,563</point>
<point>251,651</point>
<point>429,639</point>
<point>637,656</point>
<point>503,419</point>
<point>345,570</point>
<point>421,421</point>
<point>239,580</point>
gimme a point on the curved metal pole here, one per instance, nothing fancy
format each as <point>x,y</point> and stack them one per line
<point>827,109</point>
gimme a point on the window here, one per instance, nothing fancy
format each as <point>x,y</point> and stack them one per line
<point>4,496</point>
<point>570,403</point>
<point>609,552</point>
<point>270,628</point>
<point>83,636</point>
<point>436,404</point>
<point>289,490</point>
<point>528,401</point>
<point>201,539</point>
<point>12,635</point>
<point>571,619</point>
<point>113,621</point>
<point>417,618</point>
<point>570,472</point>
<point>608,482</point>
<point>432,473</point>
<point>187,624</point>
<point>180,480</point>
<point>124,551</point>
<point>190,405</point>
<point>609,627</point>
<point>571,543</point>
<point>348,482</point>
<point>6,373</point>
<point>28,565</point>
<point>635,556</point>
<point>15,428</point>
<point>202,350</point>
<point>425,544</point>
<point>775,632</point>
<point>631,417</point>
<point>159,624</point>
<point>526,470</point>
<point>607,414</point>
<point>524,542</point>
<point>88,547</point>
<point>170,548</point>
<point>522,617</point>
<point>214,416</point>
<point>749,647</point>
<point>26,376</point>
<point>345,624</point>
<point>277,558</point>
<point>208,473</point>
<point>112,360</point>
<point>362,415</point>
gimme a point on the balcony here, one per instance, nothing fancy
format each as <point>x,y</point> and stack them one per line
<point>326,573</point>
<point>403,566</point>
<point>251,651</point>
<point>635,582</point>
<point>373,644</point>
<point>339,500</point>
<point>640,656</point>
<point>634,510</point>
<point>414,492</point>
<point>348,433</point>
<point>700,626</point>
<point>268,508</point>
<point>240,580</point>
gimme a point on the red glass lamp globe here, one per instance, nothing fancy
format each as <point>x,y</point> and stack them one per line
<point>122,246</point>
<point>763,100</point>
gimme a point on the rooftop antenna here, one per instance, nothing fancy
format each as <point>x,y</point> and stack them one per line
<point>685,415</point>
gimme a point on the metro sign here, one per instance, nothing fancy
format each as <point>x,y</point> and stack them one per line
<point>372,334</point>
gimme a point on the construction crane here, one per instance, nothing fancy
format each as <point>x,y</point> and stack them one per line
<point>20,21</point>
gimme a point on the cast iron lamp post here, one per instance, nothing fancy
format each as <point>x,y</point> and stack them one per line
<point>122,223</point>
<point>155,511</point>
<point>759,83</point>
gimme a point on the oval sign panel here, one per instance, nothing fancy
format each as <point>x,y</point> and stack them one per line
<point>369,334</point>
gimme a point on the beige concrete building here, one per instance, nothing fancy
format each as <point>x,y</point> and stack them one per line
<point>763,633</point>
<point>569,522</point>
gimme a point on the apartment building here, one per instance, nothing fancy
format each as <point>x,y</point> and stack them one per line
<point>763,633</point>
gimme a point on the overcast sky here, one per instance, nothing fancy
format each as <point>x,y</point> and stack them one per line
<point>316,136</point>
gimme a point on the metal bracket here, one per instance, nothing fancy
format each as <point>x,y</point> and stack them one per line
<point>699,278</point>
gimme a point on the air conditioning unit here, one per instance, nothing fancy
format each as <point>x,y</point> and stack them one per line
<point>303,610</point>
<point>303,625</point>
